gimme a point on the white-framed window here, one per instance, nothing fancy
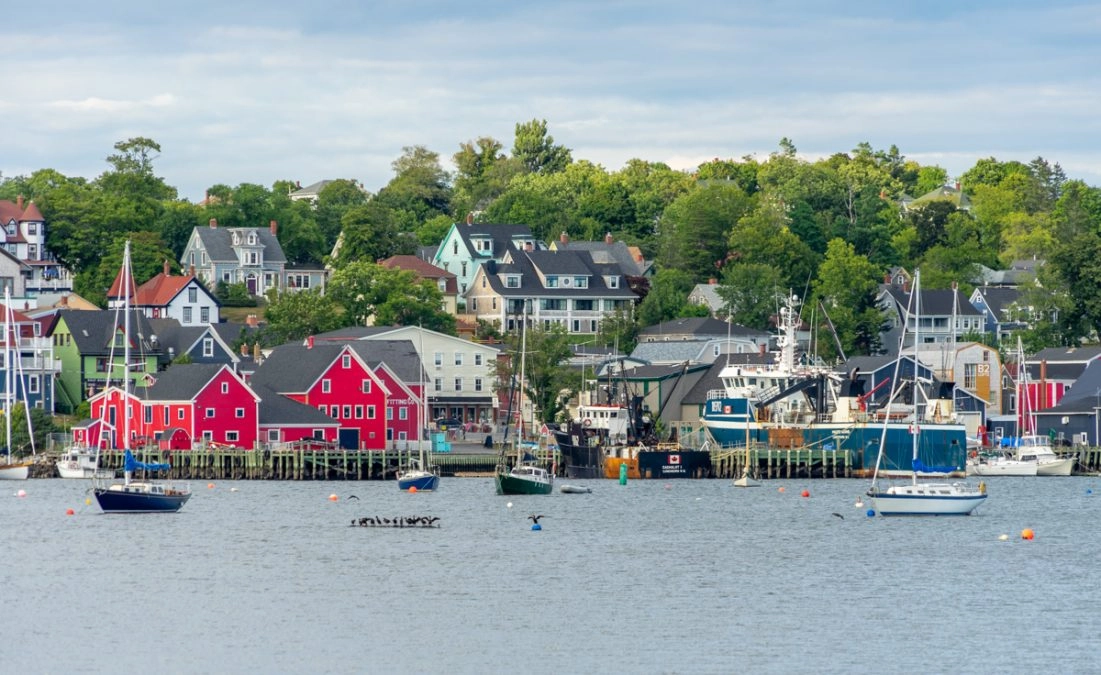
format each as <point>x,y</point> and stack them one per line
<point>180,414</point>
<point>204,315</point>
<point>273,435</point>
<point>32,382</point>
<point>347,412</point>
<point>208,351</point>
<point>458,384</point>
<point>239,413</point>
<point>389,413</point>
<point>552,281</point>
<point>326,386</point>
<point>477,384</point>
<point>581,282</point>
<point>359,412</point>
<point>512,281</point>
<point>324,409</point>
<point>232,436</point>
<point>187,315</point>
<point>437,384</point>
<point>165,414</point>
<point>208,435</point>
<point>477,358</point>
<point>192,294</point>
<point>335,412</point>
<point>210,413</point>
<point>366,386</point>
<point>370,412</point>
<point>458,358</point>
<point>403,413</point>
<point>225,387</point>
<point>346,361</point>
<point>437,358</point>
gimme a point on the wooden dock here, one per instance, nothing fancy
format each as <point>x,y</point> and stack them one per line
<point>336,464</point>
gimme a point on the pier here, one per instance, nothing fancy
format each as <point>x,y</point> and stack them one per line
<point>288,463</point>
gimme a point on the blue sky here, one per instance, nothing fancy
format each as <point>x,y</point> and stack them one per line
<point>256,92</point>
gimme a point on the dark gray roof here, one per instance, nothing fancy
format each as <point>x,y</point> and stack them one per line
<point>353,333</point>
<point>617,253</point>
<point>998,299</point>
<point>701,327</point>
<point>866,364</point>
<point>661,372</point>
<point>1085,394</point>
<point>230,332</point>
<point>936,302</point>
<point>180,382</point>
<point>293,368</point>
<point>279,410</point>
<point>94,331</point>
<point>697,395</point>
<point>1081,355</point>
<point>531,286</point>
<point>218,242</point>
<point>400,356</point>
<point>502,235</point>
<point>172,336</point>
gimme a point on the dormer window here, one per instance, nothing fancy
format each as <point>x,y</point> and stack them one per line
<point>236,239</point>
<point>552,281</point>
<point>612,282</point>
<point>581,282</point>
<point>512,281</point>
<point>252,238</point>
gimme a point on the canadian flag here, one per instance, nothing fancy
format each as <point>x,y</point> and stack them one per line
<point>674,459</point>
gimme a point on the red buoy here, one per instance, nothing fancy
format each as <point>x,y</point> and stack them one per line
<point>806,493</point>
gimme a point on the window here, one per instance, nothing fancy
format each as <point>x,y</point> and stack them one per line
<point>458,384</point>
<point>208,436</point>
<point>458,358</point>
<point>166,415</point>
<point>347,412</point>
<point>209,413</point>
<point>370,412</point>
<point>32,251</point>
<point>148,415</point>
<point>576,326</point>
<point>512,281</point>
<point>204,315</point>
<point>252,258</point>
<point>225,277</point>
<point>613,282</point>
<point>225,387</point>
<point>463,268</point>
<point>474,304</point>
<point>346,361</point>
<point>32,383</point>
<point>208,351</point>
<point>32,228</point>
<point>180,414</point>
<point>187,315</point>
<point>239,413</point>
<point>389,434</point>
<point>192,294</point>
<point>366,386</point>
<point>455,247</point>
<point>273,435</point>
<point>494,303</point>
<point>437,384</point>
<point>438,359</point>
<point>324,409</point>
<point>336,412</point>
<point>477,384</point>
<point>326,386</point>
<point>403,413</point>
<point>581,282</point>
<point>231,437</point>
<point>477,359</point>
<point>389,413</point>
<point>552,281</point>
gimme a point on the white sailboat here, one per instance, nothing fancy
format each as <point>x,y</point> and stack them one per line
<point>418,475</point>
<point>920,498</point>
<point>1032,447</point>
<point>12,470</point>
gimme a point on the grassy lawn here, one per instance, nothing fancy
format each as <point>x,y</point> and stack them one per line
<point>239,314</point>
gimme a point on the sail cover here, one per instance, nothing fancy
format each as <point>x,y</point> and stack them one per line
<point>919,467</point>
<point>132,464</point>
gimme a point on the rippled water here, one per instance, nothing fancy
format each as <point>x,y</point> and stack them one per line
<point>652,577</point>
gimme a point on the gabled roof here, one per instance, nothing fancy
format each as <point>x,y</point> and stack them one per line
<point>702,328</point>
<point>949,193</point>
<point>161,289</point>
<point>1082,396</point>
<point>400,356</point>
<point>276,410</point>
<point>181,382</point>
<point>175,339</point>
<point>560,262</point>
<point>935,302</point>
<point>998,299</point>
<point>1061,363</point>
<point>218,243</point>
<point>423,269</point>
<point>93,331</point>
<point>502,235</point>
<point>571,263</point>
<point>311,190</point>
<point>294,368</point>
<point>612,252</point>
<point>662,372</point>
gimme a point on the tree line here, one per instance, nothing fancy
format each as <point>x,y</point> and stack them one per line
<point>826,230</point>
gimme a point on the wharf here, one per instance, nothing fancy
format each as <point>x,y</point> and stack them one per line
<point>465,460</point>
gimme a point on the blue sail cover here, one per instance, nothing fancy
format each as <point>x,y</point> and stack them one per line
<point>921,468</point>
<point>132,464</point>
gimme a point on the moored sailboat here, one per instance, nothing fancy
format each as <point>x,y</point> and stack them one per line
<point>418,475</point>
<point>145,495</point>
<point>525,477</point>
<point>919,498</point>
<point>11,469</point>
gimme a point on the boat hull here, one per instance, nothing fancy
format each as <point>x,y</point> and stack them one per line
<point>423,482</point>
<point>508,484</point>
<point>1010,467</point>
<point>1060,467</point>
<point>941,445</point>
<point>580,459</point>
<point>137,498</point>
<point>18,471</point>
<point>934,499</point>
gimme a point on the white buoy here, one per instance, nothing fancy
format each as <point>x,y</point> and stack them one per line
<point>859,502</point>
<point>509,505</point>
<point>1004,537</point>
<point>21,493</point>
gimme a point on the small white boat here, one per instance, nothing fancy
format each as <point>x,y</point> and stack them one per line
<point>1036,449</point>
<point>80,462</point>
<point>575,489</point>
<point>986,464</point>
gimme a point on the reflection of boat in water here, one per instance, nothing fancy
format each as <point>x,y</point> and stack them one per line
<point>787,404</point>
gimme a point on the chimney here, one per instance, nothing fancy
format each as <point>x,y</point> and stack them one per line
<point>19,202</point>
<point>274,227</point>
<point>64,301</point>
<point>762,351</point>
<point>957,186</point>
<point>214,223</point>
<point>470,218</point>
<point>564,238</point>
<point>298,184</point>
<point>886,278</point>
<point>309,342</point>
<point>167,271</point>
<point>712,281</point>
<point>244,349</point>
<point>191,270</point>
<point>608,238</point>
<point>251,321</point>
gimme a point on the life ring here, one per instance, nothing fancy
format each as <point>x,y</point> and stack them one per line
<point>587,422</point>
<point>974,454</point>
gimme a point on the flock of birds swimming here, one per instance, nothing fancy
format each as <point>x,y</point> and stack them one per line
<point>397,521</point>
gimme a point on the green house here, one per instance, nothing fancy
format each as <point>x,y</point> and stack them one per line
<point>91,347</point>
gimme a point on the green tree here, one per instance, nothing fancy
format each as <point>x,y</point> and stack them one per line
<point>42,423</point>
<point>390,296</point>
<point>147,256</point>
<point>420,187</point>
<point>333,201</point>
<point>548,382</point>
<point>763,236</point>
<point>132,171</point>
<point>695,228</point>
<point>667,299</point>
<point>536,150</point>
<point>293,315</point>
<point>751,293</point>
<point>846,286</point>
<point>370,232</point>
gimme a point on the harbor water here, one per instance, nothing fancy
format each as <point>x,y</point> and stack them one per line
<point>648,577</point>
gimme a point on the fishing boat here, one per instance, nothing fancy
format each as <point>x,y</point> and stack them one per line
<point>80,462</point>
<point>525,477</point>
<point>11,469</point>
<point>135,496</point>
<point>418,475</point>
<point>998,463</point>
<point>920,498</point>
<point>791,402</point>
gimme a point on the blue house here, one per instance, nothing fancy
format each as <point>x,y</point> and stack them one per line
<point>34,368</point>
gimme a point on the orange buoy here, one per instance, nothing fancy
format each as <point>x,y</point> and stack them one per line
<point>412,488</point>
<point>779,489</point>
<point>1027,534</point>
<point>210,486</point>
<point>332,498</point>
<point>69,512</point>
<point>805,493</point>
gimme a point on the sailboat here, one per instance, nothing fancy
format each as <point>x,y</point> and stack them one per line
<point>135,496</point>
<point>525,477</point>
<point>747,479</point>
<point>12,470</point>
<point>418,475</point>
<point>920,498</point>
<point>1033,447</point>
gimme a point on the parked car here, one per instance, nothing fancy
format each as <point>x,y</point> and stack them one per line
<point>445,423</point>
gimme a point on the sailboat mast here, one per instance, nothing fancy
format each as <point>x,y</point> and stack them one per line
<point>914,394</point>
<point>523,354</point>
<point>126,346</point>
<point>8,394</point>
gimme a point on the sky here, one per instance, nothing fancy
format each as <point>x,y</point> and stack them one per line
<point>255,92</point>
